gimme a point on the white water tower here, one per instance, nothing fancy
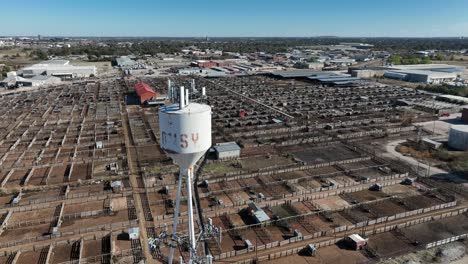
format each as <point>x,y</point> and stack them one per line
<point>185,135</point>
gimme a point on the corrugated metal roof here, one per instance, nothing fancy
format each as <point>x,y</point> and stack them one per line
<point>227,146</point>
<point>144,91</point>
<point>333,79</point>
<point>296,73</point>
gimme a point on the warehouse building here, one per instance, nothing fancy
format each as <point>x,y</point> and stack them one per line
<point>192,71</point>
<point>227,150</point>
<point>296,73</point>
<point>58,68</point>
<point>123,62</point>
<point>422,76</point>
<point>429,67</point>
<point>458,137</point>
<point>145,92</point>
<point>427,73</point>
<point>18,81</point>
<point>38,81</point>
<point>453,99</point>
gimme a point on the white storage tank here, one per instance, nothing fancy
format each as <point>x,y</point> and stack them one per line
<point>458,137</point>
<point>185,132</point>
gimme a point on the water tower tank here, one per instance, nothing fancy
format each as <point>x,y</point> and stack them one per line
<point>185,133</point>
<point>458,137</point>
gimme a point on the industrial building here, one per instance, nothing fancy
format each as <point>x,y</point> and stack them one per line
<point>227,150</point>
<point>429,67</point>
<point>18,81</point>
<point>422,76</point>
<point>330,78</point>
<point>192,71</point>
<point>341,62</point>
<point>145,92</point>
<point>458,137</point>
<point>38,81</point>
<point>424,73</point>
<point>453,99</point>
<point>58,68</point>
<point>123,62</point>
<point>296,73</point>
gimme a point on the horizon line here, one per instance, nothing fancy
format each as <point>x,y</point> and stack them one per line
<point>207,36</point>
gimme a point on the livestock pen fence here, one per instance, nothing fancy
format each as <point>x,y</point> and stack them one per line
<point>105,227</point>
<point>347,230</point>
<point>326,242</point>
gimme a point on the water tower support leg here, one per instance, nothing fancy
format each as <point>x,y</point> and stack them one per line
<point>190,210</point>
<point>176,218</point>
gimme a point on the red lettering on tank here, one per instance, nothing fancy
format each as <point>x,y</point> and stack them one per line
<point>195,138</point>
<point>183,141</point>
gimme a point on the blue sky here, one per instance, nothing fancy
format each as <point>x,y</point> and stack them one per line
<point>253,18</point>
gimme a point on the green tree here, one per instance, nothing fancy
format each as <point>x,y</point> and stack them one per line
<point>439,57</point>
<point>42,55</point>
<point>301,65</point>
<point>395,59</point>
<point>4,71</point>
<point>426,60</point>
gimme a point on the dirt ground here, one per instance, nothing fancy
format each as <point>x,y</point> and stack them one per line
<point>256,163</point>
<point>366,195</point>
<point>321,155</point>
<point>91,248</point>
<point>121,243</point>
<point>77,208</point>
<point>31,215</point>
<point>427,232</point>
<point>400,190</point>
<point>81,172</point>
<point>70,225</point>
<point>388,245</point>
<point>57,175</point>
<point>61,254</point>
<point>29,257</point>
<point>24,232</point>
<point>331,203</point>
<point>38,176</point>
<point>339,220</point>
<point>40,194</point>
<point>420,201</point>
<point>16,178</point>
<point>385,208</point>
<point>335,255</point>
<point>297,259</point>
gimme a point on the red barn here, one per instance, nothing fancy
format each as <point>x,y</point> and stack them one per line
<point>144,92</point>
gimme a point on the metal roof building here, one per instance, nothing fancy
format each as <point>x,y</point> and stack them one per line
<point>299,73</point>
<point>227,150</point>
<point>422,76</point>
<point>258,213</point>
<point>123,61</point>
<point>59,68</point>
<point>144,92</point>
<point>34,81</point>
<point>429,67</point>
